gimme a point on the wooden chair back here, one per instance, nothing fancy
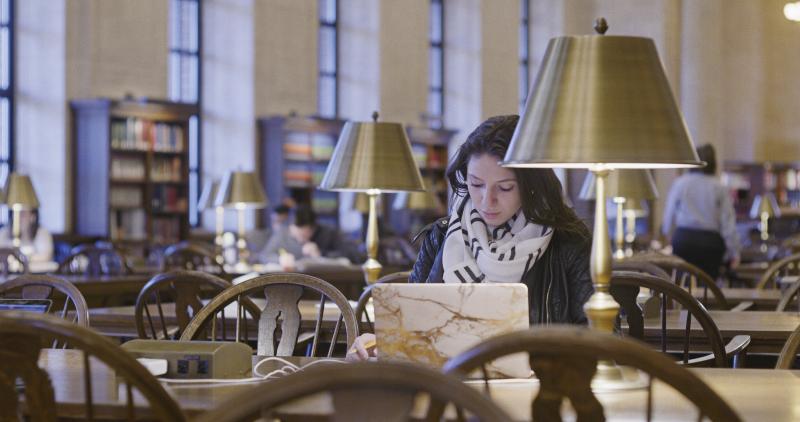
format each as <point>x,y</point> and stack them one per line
<point>282,292</point>
<point>790,296</point>
<point>688,276</point>
<point>30,286</point>
<point>91,260</point>
<point>22,335</point>
<point>625,287</point>
<point>791,244</point>
<point>564,359</point>
<point>360,310</point>
<point>366,391</point>
<point>789,352</point>
<point>789,266</point>
<point>184,292</point>
<point>188,256</point>
<point>12,261</point>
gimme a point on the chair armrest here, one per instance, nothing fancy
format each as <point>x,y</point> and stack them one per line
<point>742,306</point>
<point>735,350</point>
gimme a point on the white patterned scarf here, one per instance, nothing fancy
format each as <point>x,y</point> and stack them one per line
<point>475,252</point>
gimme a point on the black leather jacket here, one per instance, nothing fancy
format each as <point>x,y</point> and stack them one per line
<point>558,284</point>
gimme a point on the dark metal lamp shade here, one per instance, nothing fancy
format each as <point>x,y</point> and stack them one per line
<point>601,100</point>
<point>240,189</point>
<point>19,192</point>
<point>208,195</point>
<point>765,204</point>
<point>372,156</point>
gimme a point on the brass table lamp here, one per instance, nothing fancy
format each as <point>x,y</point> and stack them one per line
<point>372,157</point>
<point>206,202</point>
<point>622,185</point>
<point>19,195</point>
<point>764,207</point>
<point>601,102</point>
<point>241,190</point>
<point>419,201</point>
<point>632,210</point>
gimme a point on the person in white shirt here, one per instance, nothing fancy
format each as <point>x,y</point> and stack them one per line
<point>36,242</point>
<point>700,217</point>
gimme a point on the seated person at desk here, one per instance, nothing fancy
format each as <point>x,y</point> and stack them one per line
<point>36,242</point>
<point>304,238</point>
<point>520,227</point>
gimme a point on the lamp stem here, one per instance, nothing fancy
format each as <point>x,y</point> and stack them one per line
<point>220,214</point>
<point>15,227</point>
<point>241,243</point>
<point>372,268</point>
<point>601,309</point>
<point>619,238</point>
<point>764,226</point>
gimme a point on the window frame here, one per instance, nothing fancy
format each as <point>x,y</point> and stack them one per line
<point>8,92</point>
<point>524,59</point>
<point>436,117</point>
<point>322,74</point>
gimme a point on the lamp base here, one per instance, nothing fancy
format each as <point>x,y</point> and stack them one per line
<point>611,377</point>
<point>372,270</point>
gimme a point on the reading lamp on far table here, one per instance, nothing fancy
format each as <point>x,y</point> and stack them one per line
<point>764,207</point>
<point>601,103</point>
<point>19,195</point>
<point>372,157</point>
<point>206,202</point>
<point>622,186</point>
<point>241,190</point>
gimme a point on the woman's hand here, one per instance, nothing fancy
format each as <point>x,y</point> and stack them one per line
<point>363,348</point>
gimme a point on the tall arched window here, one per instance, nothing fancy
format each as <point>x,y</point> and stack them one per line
<point>6,90</point>
<point>185,41</point>
<point>328,79</point>
<point>436,64</point>
<point>524,53</point>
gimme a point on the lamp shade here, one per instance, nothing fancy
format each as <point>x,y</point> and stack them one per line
<point>240,189</point>
<point>418,201</point>
<point>372,156</point>
<point>19,192</point>
<point>765,204</point>
<point>626,183</point>
<point>208,195</point>
<point>601,100</point>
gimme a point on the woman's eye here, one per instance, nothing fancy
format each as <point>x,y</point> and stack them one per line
<point>506,188</point>
<point>475,185</point>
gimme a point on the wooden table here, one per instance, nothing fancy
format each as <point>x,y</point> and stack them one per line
<point>763,299</point>
<point>757,394</point>
<point>768,330</point>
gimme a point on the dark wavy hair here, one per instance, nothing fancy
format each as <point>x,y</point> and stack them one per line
<point>539,189</point>
<point>706,153</point>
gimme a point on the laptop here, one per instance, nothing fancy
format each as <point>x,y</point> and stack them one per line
<point>40,306</point>
<point>431,323</point>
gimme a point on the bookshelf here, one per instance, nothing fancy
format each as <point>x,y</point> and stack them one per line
<point>130,170</point>
<point>293,153</point>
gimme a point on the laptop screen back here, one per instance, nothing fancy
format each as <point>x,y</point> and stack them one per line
<point>431,323</point>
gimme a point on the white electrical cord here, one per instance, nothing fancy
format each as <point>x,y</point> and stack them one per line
<point>286,369</point>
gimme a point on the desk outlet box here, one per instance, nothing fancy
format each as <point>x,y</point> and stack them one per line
<point>196,359</point>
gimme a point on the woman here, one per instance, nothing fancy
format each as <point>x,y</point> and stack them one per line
<point>36,243</point>
<point>508,225</point>
<point>701,209</point>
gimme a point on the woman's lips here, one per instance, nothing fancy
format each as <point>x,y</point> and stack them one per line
<point>490,215</point>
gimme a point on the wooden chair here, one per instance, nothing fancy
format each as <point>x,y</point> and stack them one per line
<point>791,244</point>
<point>688,276</point>
<point>366,391</point>
<point>789,266</point>
<point>789,296</point>
<point>91,260</point>
<point>22,335</point>
<point>361,315</point>
<point>564,359</point>
<point>640,267</point>
<point>29,286</point>
<point>625,287</point>
<point>188,256</point>
<point>789,352</point>
<point>10,258</point>
<point>185,290</point>
<point>282,292</point>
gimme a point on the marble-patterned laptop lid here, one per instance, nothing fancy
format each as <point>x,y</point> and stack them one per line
<point>431,323</point>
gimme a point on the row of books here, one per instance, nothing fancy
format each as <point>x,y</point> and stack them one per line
<point>301,146</point>
<point>428,156</point>
<point>168,199</point>
<point>145,135</point>
<point>166,170</point>
<point>325,202</point>
<point>128,224</point>
<point>125,197</point>
<point>127,169</point>
<point>166,230</point>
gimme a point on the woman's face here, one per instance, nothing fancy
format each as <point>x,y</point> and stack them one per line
<point>493,189</point>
